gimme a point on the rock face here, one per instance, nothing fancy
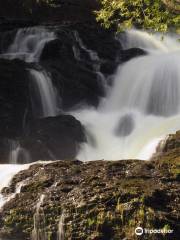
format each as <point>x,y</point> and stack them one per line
<point>171,143</point>
<point>77,62</point>
<point>100,200</point>
<point>14,97</point>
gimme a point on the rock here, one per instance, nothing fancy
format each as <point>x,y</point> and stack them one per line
<point>53,138</point>
<point>125,126</point>
<point>75,63</point>
<point>9,24</point>
<point>167,156</point>
<point>172,142</point>
<point>14,97</point>
<point>100,199</point>
<point>58,10</point>
<point>52,50</point>
<point>15,103</point>
<point>130,53</point>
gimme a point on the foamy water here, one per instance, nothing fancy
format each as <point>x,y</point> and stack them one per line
<point>142,107</point>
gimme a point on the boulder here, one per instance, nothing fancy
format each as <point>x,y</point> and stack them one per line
<point>125,126</point>
<point>78,63</point>
<point>53,138</point>
<point>130,53</point>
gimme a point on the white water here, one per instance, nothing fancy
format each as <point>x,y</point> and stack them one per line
<point>39,232</point>
<point>18,154</point>
<point>28,44</point>
<point>151,42</point>
<point>142,107</point>
<point>45,93</point>
<point>150,84</point>
<point>7,173</point>
<point>61,233</point>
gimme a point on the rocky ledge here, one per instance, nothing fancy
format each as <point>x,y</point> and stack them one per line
<point>99,200</point>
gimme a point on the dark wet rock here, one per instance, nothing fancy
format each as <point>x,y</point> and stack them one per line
<point>75,59</point>
<point>125,126</point>
<point>14,97</point>
<point>15,107</point>
<point>100,199</point>
<point>53,138</point>
<point>131,53</point>
<point>74,72</point>
<point>75,84</point>
<point>52,50</point>
<point>7,24</point>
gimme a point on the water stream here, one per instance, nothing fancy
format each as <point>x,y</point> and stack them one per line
<point>17,154</point>
<point>28,44</point>
<point>39,232</point>
<point>47,103</point>
<point>143,105</point>
<point>60,233</point>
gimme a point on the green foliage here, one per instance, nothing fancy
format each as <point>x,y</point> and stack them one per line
<point>146,14</point>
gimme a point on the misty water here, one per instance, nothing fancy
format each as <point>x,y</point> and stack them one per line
<point>141,107</point>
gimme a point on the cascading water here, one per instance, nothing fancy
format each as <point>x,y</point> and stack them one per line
<point>39,232</point>
<point>45,94</point>
<point>7,172</point>
<point>28,44</point>
<point>142,107</point>
<point>150,84</point>
<point>60,233</point>
<point>18,154</point>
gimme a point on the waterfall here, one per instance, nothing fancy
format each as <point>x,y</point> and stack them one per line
<point>150,84</point>
<point>39,232</point>
<point>28,44</point>
<point>7,173</point>
<point>147,41</point>
<point>141,108</point>
<point>17,154</point>
<point>60,233</point>
<point>45,94</point>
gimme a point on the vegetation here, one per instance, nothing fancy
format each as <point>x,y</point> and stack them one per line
<point>157,15</point>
